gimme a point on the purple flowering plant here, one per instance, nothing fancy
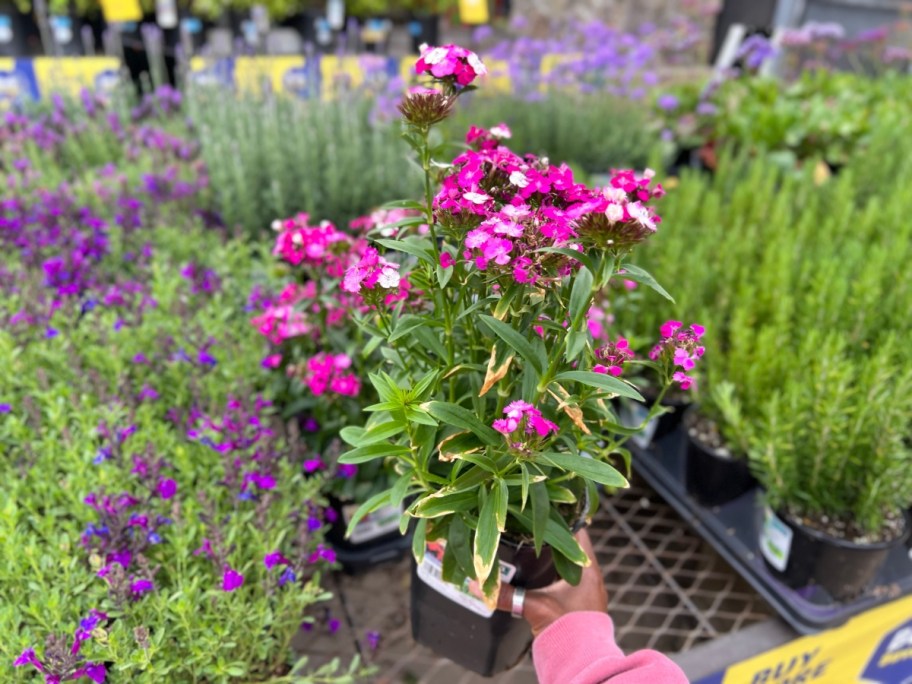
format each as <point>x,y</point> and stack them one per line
<point>495,399</point>
<point>123,446</point>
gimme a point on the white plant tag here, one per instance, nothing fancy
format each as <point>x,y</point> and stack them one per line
<point>430,572</point>
<point>373,525</point>
<point>775,541</point>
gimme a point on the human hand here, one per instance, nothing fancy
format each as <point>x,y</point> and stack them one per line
<point>543,606</point>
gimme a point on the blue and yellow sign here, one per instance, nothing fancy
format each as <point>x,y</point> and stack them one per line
<point>69,75</point>
<point>872,648</point>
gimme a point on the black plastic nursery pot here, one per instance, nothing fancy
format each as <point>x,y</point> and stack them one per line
<point>458,626</point>
<point>800,556</point>
<point>376,539</point>
<point>632,413</point>
<point>712,477</point>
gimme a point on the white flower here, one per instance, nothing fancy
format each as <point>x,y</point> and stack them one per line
<point>649,174</point>
<point>518,178</point>
<point>640,214</point>
<point>615,213</point>
<point>476,197</point>
<point>435,56</point>
<point>501,131</point>
<point>514,212</point>
<point>276,225</point>
<point>476,64</point>
<point>297,240</point>
<point>615,194</point>
<point>389,276</point>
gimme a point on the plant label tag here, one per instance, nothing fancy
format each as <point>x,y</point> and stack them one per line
<point>775,541</point>
<point>61,28</point>
<point>373,525</point>
<point>468,595</point>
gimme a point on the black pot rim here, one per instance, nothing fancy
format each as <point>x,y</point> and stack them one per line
<point>689,418</point>
<point>838,542</point>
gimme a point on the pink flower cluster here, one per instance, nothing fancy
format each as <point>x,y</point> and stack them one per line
<point>321,246</point>
<point>371,271</point>
<point>504,209</point>
<point>450,62</point>
<point>680,347</point>
<point>613,356</point>
<point>328,372</point>
<point>524,418</point>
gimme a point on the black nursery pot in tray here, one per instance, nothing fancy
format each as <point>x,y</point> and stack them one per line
<point>376,539</point>
<point>457,625</point>
<point>800,555</point>
<point>712,475</point>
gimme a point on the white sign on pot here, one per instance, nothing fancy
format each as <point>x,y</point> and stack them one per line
<point>775,541</point>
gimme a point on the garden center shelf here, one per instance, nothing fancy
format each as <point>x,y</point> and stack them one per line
<point>733,529</point>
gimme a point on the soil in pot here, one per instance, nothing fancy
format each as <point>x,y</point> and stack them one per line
<point>712,474</point>
<point>457,625</point>
<point>802,551</point>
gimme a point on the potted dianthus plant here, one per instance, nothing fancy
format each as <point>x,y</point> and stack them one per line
<point>494,402</point>
<point>317,359</point>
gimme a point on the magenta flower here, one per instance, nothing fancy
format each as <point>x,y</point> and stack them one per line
<point>446,260</point>
<point>451,62</point>
<point>231,579</point>
<point>140,587</point>
<point>205,549</point>
<point>272,361</point>
<point>167,488</point>
<point>524,418</point>
<point>270,560</point>
<point>371,271</point>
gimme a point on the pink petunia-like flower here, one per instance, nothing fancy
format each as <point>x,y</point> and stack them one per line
<point>450,62</point>
<point>231,579</point>
<point>679,348</point>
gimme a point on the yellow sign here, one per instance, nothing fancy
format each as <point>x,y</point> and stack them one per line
<point>474,11</point>
<point>9,83</point>
<point>69,75</point>
<point>115,11</point>
<point>258,75</point>
<point>872,648</point>
<point>339,74</point>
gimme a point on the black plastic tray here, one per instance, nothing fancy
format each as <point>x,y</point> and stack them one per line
<point>733,529</point>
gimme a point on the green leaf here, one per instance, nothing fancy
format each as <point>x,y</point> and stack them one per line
<point>487,536</point>
<point>430,341</point>
<point>358,436</point>
<point>403,204</point>
<point>601,381</point>
<point>419,540</point>
<point>515,340</point>
<point>581,257</point>
<point>556,535</point>
<point>369,506</point>
<point>638,275</point>
<point>580,296</point>
<point>576,343</point>
<point>458,551</point>
<point>371,452</point>
<point>446,502</point>
<point>567,569</point>
<point>589,468</point>
<point>400,487</point>
<point>424,385</point>
<point>409,247</point>
<point>501,495</point>
<point>461,417</point>
<point>407,325</point>
<point>541,507</point>
<point>386,387</point>
<point>526,481</point>
<point>417,415</point>
<point>353,435</point>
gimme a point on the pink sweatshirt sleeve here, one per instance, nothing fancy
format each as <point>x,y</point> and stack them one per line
<point>579,648</point>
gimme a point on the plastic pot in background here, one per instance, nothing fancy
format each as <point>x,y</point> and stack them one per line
<point>800,556</point>
<point>458,626</point>
<point>66,34</point>
<point>712,476</point>
<point>632,413</point>
<point>376,539</point>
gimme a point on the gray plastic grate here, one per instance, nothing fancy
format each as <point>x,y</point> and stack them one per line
<point>668,590</point>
